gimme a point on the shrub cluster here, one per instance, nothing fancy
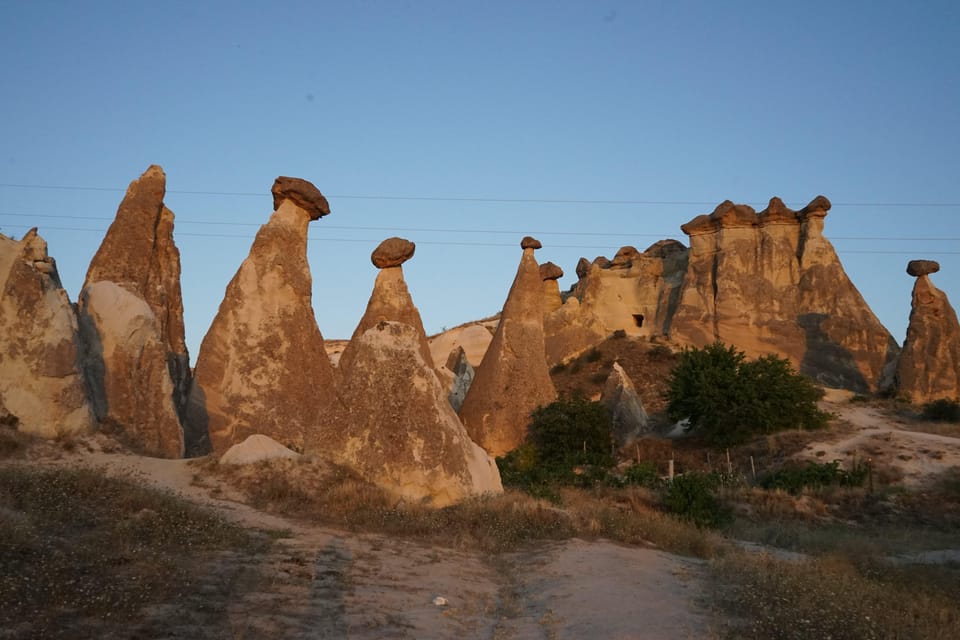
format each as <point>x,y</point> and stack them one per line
<point>728,398</point>
<point>794,479</point>
<point>942,410</point>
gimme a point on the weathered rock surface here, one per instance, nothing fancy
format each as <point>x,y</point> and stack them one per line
<point>772,283</point>
<point>462,374</point>
<point>550,271</point>
<point>513,379</point>
<point>635,292</point>
<point>302,193</point>
<point>473,337</point>
<point>929,365</point>
<point>42,389</point>
<point>125,362</point>
<point>627,414</point>
<point>390,300</point>
<point>529,242</point>
<point>262,366</point>
<point>257,448</point>
<point>918,268</point>
<point>135,356</point>
<point>392,252</point>
<point>398,429</point>
<point>551,274</point>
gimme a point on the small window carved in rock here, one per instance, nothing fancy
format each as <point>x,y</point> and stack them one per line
<point>638,319</point>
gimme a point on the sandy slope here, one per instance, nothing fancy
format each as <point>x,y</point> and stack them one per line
<point>324,583</point>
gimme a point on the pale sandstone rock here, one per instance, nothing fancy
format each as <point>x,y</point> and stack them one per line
<point>771,283</point>
<point>41,384</point>
<point>474,338</point>
<point>262,366</point>
<point>929,366</point>
<point>398,429</point>
<point>513,379</point>
<point>635,293</point>
<point>627,414</point>
<point>125,361</point>
<point>257,448</point>
<point>138,254</point>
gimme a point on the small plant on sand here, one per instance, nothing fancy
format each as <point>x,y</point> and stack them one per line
<point>728,398</point>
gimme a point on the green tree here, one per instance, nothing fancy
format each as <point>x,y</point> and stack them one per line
<point>728,398</point>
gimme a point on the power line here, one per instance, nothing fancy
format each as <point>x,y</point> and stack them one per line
<point>480,199</point>
<point>459,243</point>
<point>618,234</point>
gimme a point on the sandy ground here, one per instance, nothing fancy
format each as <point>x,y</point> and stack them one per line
<point>325,583</point>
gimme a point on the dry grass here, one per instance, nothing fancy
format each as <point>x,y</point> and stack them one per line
<point>334,496</point>
<point>834,597</point>
<point>82,551</point>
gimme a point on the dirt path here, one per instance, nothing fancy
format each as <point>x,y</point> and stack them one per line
<point>324,583</point>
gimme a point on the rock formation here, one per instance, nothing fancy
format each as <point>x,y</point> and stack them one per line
<point>627,414</point>
<point>462,374</point>
<point>262,366</point>
<point>513,379</point>
<point>772,283</point>
<point>635,292</point>
<point>131,322</point>
<point>929,366</point>
<point>42,390</point>
<point>398,428</point>
<point>390,299</point>
<point>551,274</point>
<point>257,448</point>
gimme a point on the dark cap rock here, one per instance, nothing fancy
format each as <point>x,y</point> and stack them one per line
<point>550,271</point>
<point>583,267</point>
<point>302,193</point>
<point>529,242</point>
<point>817,208</point>
<point>919,268</point>
<point>625,257</point>
<point>777,211</point>
<point>392,252</point>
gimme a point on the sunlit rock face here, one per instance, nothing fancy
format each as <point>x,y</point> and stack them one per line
<point>929,366</point>
<point>42,391</point>
<point>772,283</point>
<point>262,366</point>
<point>627,416</point>
<point>636,292</point>
<point>397,427</point>
<point>134,353</point>
<point>513,379</point>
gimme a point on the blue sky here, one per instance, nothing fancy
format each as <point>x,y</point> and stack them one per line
<point>680,103</point>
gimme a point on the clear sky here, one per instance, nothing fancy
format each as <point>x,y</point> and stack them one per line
<point>400,111</point>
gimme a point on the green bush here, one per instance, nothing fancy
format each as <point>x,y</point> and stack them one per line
<point>692,496</point>
<point>794,479</point>
<point>642,474</point>
<point>728,398</point>
<point>942,410</point>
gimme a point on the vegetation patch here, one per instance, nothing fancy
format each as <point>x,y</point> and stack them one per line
<point>942,410</point>
<point>80,550</point>
<point>794,478</point>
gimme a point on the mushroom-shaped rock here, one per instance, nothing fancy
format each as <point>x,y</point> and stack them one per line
<point>392,252</point>
<point>263,367</point>
<point>513,379</point>
<point>550,271</point>
<point>777,211</point>
<point>303,194</point>
<point>918,268</point>
<point>530,242</point>
<point>728,214</point>
<point>665,248</point>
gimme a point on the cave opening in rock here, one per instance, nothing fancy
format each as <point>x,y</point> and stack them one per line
<point>638,319</point>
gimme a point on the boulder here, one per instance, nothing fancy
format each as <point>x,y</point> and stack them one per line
<point>624,258</point>
<point>143,392</point>
<point>627,414</point>
<point>513,379</point>
<point>550,271</point>
<point>392,252</point>
<point>462,377</point>
<point>918,268</point>
<point>301,193</point>
<point>530,242</point>
<point>398,429</point>
<point>262,366</point>
<point>929,365</point>
<point>583,267</point>
<point>42,390</point>
<point>772,283</point>
<point>550,274</point>
<point>257,448</point>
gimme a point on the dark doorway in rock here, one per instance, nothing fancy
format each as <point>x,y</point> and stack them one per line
<point>638,319</point>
